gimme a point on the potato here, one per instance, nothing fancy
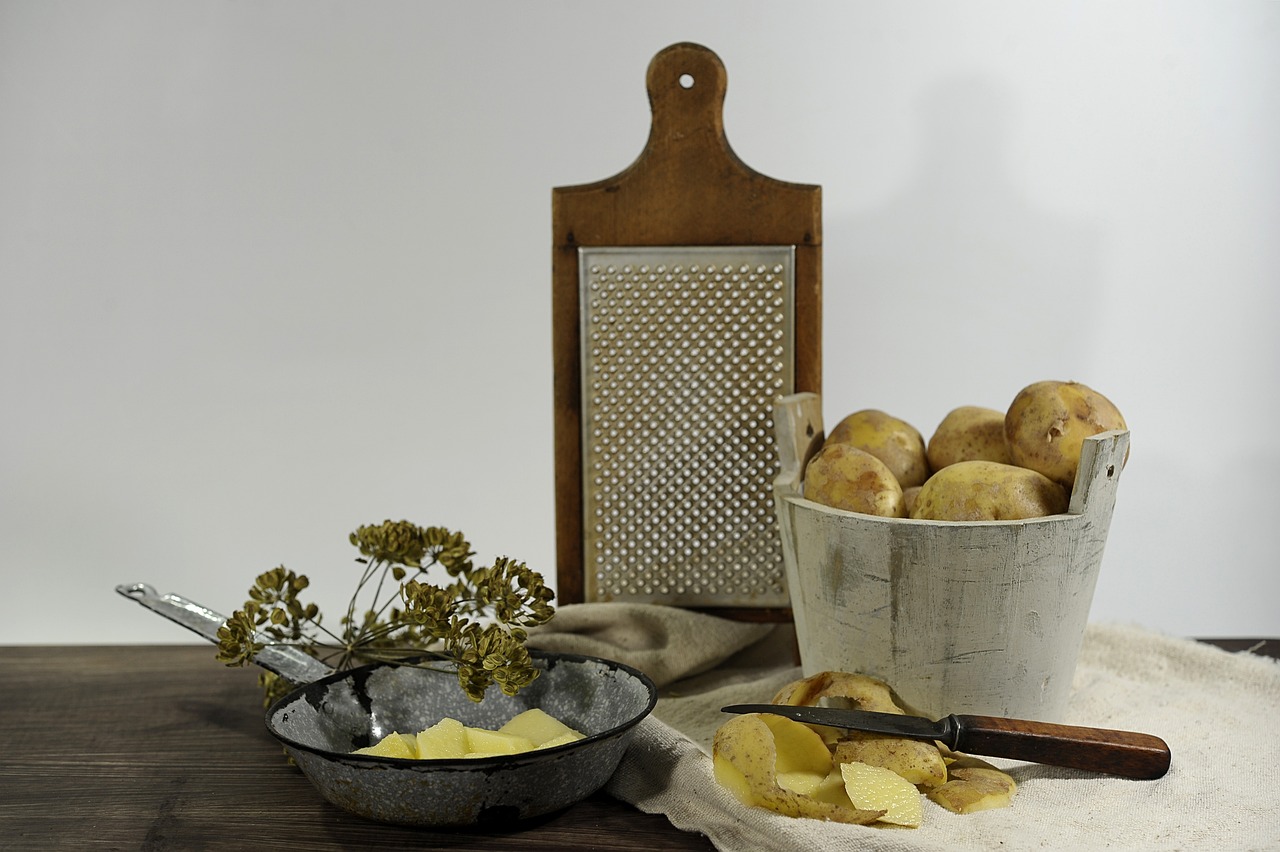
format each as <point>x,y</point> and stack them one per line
<point>974,785</point>
<point>744,759</point>
<point>918,762</point>
<point>968,433</point>
<point>988,491</point>
<point>844,477</point>
<point>1047,422</point>
<point>895,442</point>
<point>866,692</point>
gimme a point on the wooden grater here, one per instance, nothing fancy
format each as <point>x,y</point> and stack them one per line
<point>686,299</point>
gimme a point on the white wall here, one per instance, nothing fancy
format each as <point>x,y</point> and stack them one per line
<point>270,270</point>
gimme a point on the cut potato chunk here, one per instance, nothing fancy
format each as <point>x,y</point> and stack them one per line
<point>874,787</point>
<point>401,746</point>
<point>449,739</point>
<point>563,739</point>
<point>444,740</point>
<point>539,727</point>
<point>482,743</point>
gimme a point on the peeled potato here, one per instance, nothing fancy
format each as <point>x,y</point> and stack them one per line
<point>745,758</point>
<point>895,442</point>
<point>968,433</point>
<point>844,477</point>
<point>1047,422</point>
<point>988,491</point>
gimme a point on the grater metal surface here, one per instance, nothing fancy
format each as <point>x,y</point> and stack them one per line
<point>684,351</point>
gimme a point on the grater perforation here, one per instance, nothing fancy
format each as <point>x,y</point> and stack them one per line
<point>684,351</point>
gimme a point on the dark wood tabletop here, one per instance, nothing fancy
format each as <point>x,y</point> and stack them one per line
<point>160,747</point>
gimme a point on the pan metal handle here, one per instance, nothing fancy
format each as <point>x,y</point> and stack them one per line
<point>289,662</point>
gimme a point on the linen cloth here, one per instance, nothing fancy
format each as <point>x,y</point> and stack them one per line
<point>1215,709</point>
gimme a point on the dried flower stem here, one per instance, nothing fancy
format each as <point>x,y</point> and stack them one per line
<point>476,625</point>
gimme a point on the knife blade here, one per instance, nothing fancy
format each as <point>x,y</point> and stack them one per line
<point>1126,754</point>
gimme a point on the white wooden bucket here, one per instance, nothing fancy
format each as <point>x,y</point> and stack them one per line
<point>983,617</point>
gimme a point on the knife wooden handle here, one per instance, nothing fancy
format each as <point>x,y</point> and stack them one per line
<point>1124,753</point>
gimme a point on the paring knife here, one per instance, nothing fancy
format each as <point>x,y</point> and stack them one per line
<point>1123,753</point>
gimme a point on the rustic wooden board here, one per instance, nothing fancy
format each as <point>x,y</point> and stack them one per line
<point>162,748</point>
<point>687,188</point>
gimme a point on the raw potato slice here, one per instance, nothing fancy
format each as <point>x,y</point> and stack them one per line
<point>974,785</point>
<point>445,739</point>
<point>745,759</point>
<point>538,727</point>
<point>874,787</point>
<point>401,746</point>
<point>832,789</point>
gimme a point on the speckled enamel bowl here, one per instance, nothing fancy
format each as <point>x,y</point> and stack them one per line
<point>322,722</point>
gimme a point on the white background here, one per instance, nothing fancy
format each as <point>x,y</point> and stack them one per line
<point>271,270</point>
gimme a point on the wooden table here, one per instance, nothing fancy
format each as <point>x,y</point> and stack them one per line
<point>145,748</point>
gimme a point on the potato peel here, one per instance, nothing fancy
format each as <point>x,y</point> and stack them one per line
<point>745,759</point>
<point>955,781</point>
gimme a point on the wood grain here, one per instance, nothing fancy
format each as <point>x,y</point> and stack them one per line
<point>687,188</point>
<point>156,748</point>
<point>1128,754</point>
<point>163,748</point>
